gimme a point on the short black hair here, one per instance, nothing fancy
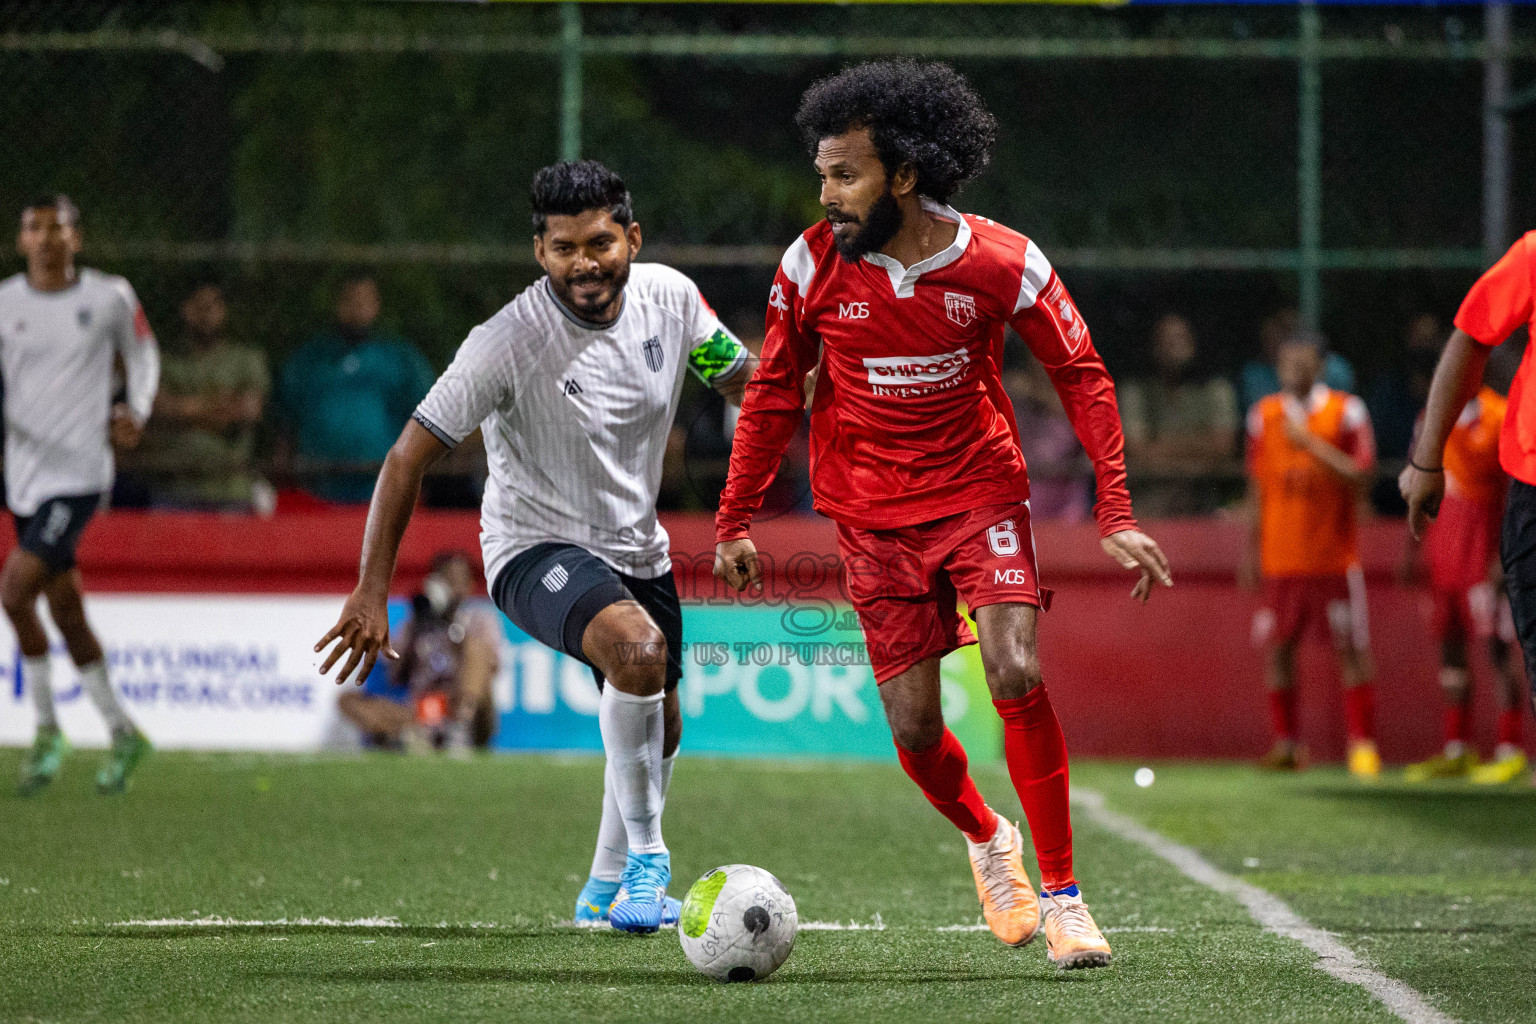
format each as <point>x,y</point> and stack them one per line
<point>58,202</point>
<point>1311,339</point>
<point>572,187</point>
<point>926,115</point>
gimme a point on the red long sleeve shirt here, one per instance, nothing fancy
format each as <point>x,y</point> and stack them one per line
<point>910,422</point>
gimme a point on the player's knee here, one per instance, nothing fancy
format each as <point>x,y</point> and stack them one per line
<point>638,662</point>
<point>916,731</point>
<point>1013,677</point>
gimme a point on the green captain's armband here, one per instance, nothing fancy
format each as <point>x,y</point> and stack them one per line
<point>717,357</point>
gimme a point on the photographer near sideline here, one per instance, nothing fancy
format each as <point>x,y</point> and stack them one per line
<point>438,694</point>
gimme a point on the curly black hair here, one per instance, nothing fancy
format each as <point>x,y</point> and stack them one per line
<point>571,187</point>
<point>926,115</point>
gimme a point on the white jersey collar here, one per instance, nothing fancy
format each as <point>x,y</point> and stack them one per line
<point>904,279</point>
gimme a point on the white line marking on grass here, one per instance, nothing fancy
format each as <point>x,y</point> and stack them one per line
<point>875,924</point>
<point>1333,957</point>
<point>215,921</point>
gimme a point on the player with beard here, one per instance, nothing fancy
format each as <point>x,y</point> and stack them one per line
<point>902,301</point>
<point>575,386</point>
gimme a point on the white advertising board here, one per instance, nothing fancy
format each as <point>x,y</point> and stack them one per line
<point>197,672</point>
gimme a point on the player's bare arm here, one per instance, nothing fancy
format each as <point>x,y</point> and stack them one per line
<point>362,631</point>
<point>1457,378</point>
<point>1248,566</point>
<point>734,387</point>
<point>1335,459</point>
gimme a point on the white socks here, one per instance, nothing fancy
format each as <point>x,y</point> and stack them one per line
<point>612,839</point>
<point>37,677</point>
<point>94,678</point>
<point>632,730</point>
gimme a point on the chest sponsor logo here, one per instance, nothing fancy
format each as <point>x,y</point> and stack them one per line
<point>570,387</point>
<point>960,308</point>
<point>853,311</point>
<point>652,348</point>
<point>83,316</point>
<point>905,371</point>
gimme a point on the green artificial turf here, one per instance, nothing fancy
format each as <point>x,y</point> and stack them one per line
<point>478,862</point>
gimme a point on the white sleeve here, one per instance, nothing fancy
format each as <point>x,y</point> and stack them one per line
<point>714,353</point>
<point>139,351</point>
<point>476,383</point>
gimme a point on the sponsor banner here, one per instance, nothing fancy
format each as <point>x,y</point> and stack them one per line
<point>195,671</point>
<point>220,672</point>
<point>756,682</point>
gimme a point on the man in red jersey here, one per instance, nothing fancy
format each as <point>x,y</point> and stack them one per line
<point>902,302</point>
<point>1503,299</point>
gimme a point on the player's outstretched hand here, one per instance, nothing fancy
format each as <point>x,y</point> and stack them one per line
<point>362,633</point>
<point>127,431</point>
<point>1135,550</point>
<point>736,562</point>
<point>1422,491</point>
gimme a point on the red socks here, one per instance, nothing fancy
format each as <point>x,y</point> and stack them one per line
<point>1282,714</point>
<point>1360,712</point>
<point>1511,726</point>
<point>942,773</point>
<point>1456,723</point>
<point>1037,763</point>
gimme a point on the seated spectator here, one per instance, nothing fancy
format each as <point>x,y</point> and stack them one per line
<point>199,448</point>
<point>1060,476</point>
<point>347,393</point>
<point>1259,377</point>
<point>1177,424</point>
<point>1395,398</point>
<point>438,695</point>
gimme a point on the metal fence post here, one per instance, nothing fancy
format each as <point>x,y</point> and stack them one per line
<point>1309,166</point>
<point>570,80</point>
<point>1495,130</point>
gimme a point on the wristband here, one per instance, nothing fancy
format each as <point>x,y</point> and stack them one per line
<point>1425,469</point>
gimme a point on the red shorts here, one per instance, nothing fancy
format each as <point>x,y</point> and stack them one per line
<point>1477,612</point>
<point>906,583</point>
<point>1333,605</point>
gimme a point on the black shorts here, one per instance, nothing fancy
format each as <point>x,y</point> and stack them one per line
<point>1517,550</point>
<point>553,591</point>
<point>53,531</point>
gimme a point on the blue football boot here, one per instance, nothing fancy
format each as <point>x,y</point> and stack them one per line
<point>671,910</point>
<point>593,903</point>
<point>642,898</point>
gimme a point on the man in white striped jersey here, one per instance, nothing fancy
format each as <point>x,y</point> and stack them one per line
<point>60,328</point>
<point>574,385</point>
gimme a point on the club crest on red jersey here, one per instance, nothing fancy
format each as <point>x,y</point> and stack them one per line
<point>960,308</point>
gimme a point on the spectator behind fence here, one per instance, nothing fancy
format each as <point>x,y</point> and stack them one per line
<point>1060,476</point>
<point>1259,377</point>
<point>347,393</point>
<point>200,446</point>
<point>1178,424</point>
<point>438,695</point>
<point>1395,397</point>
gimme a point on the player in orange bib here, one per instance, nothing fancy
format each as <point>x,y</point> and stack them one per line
<point>1310,455</point>
<point>1461,556</point>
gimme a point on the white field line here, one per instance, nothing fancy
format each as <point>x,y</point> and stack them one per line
<point>1271,912</point>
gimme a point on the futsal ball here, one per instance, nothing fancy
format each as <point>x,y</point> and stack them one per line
<point>738,923</point>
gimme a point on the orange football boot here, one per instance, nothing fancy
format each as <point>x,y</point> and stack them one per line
<point>1072,940</point>
<point>1008,900</point>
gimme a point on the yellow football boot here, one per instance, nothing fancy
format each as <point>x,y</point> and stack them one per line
<point>1507,766</point>
<point>1442,767</point>
<point>1072,940</point>
<point>1364,761</point>
<point>1008,900</point>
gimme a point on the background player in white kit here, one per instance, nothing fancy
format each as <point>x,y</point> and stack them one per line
<point>59,331</point>
<point>574,385</point>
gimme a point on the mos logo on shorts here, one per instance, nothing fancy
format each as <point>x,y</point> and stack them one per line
<point>555,579</point>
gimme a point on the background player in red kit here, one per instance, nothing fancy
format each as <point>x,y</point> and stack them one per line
<point>1460,548</point>
<point>902,303</point>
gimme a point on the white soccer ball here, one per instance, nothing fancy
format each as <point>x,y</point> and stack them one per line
<point>738,923</point>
